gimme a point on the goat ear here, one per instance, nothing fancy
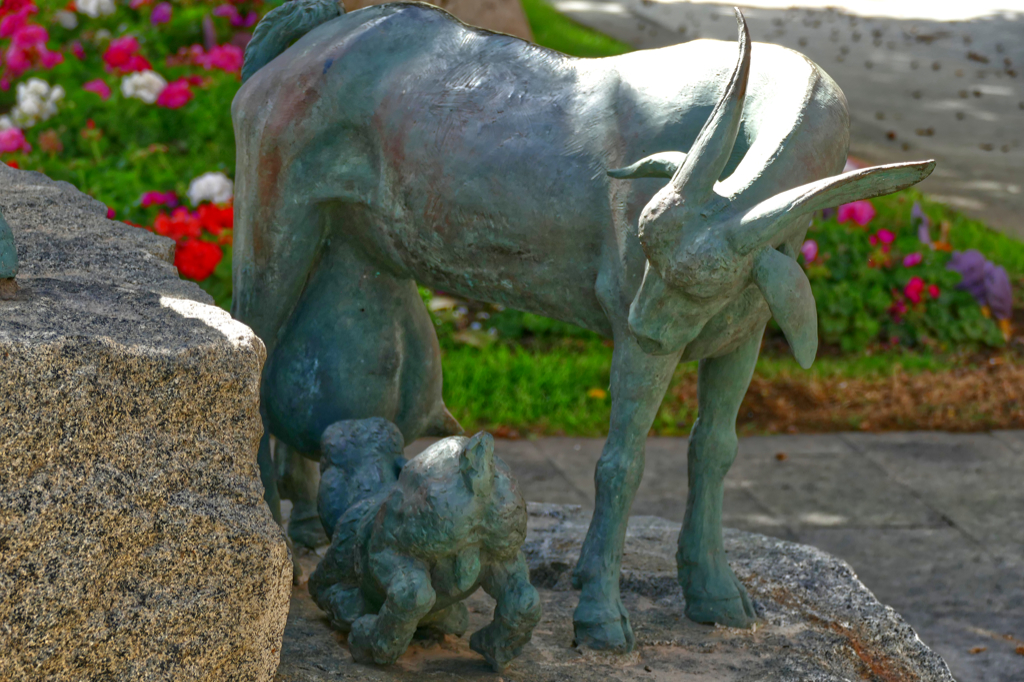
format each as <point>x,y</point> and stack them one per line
<point>785,286</point>
<point>662,165</point>
<point>477,462</point>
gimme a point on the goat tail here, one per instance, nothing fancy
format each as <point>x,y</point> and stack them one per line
<point>282,26</point>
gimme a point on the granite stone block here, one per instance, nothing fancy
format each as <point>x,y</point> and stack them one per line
<point>134,540</point>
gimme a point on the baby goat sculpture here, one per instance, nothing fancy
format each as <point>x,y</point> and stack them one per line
<point>395,145</point>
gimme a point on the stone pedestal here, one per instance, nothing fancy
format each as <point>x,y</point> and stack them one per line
<point>504,16</point>
<point>817,621</point>
<point>134,541</point>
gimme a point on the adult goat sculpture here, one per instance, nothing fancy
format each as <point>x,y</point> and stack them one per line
<point>395,144</point>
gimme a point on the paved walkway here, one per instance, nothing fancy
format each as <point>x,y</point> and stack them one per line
<point>917,88</point>
<point>933,523</point>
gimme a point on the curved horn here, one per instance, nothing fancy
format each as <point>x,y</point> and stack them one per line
<point>761,224</point>
<point>707,158</point>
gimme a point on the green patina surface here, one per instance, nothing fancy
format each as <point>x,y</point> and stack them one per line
<point>410,542</point>
<point>394,145</point>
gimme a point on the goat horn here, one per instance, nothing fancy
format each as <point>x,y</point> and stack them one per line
<point>761,224</point>
<point>695,179</point>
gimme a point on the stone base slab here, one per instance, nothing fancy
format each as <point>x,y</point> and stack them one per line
<point>818,622</point>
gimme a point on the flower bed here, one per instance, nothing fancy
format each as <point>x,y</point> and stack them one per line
<point>130,101</point>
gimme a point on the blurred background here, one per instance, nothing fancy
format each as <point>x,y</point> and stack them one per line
<point>918,294</point>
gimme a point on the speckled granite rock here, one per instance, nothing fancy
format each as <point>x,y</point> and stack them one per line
<point>504,16</point>
<point>818,622</point>
<point>134,542</point>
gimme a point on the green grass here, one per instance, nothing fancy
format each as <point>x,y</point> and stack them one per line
<point>554,30</point>
<point>548,390</point>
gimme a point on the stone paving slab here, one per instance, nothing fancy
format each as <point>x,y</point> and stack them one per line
<point>930,521</point>
<point>917,88</point>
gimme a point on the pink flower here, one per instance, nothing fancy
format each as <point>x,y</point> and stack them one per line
<point>50,59</point>
<point>99,87</point>
<point>175,95</point>
<point>12,23</point>
<point>226,11</point>
<point>161,14</point>
<point>225,57</point>
<point>914,289</point>
<point>77,50</point>
<point>912,259</point>
<point>933,291</point>
<point>169,199</point>
<point>29,35</point>
<point>873,239</point>
<point>13,140</point>
<point>110,213</point>
<point>135,4</point>
<point>886,237</point>
<point>809,250</point>
<point>860,212</point>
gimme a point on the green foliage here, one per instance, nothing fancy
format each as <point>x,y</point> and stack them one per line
<point>553,30</point>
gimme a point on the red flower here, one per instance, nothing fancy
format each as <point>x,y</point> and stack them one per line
<point>175,95</point>
<point>914,289</point>
<point>196,260</point>
<point>122,55</point>
<point>933,291</point>
<point>78,50</point>
<point>216,219</point>
<point>178,225</point>
<point>897,309</point>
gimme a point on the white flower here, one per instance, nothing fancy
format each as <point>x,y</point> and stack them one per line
<point>95,8</point>
<point>66,19</point>
<point>215,187</point>
<point>37,101</point>
<point>144,85</point>
<point>101,35</point>
<point>6,122</point>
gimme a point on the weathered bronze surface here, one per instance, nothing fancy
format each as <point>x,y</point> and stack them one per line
<point>395,145</point>
<point>411,541</point>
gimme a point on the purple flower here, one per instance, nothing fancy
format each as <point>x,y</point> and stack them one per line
<point>924,226</point>
<point>809,250</point>
<point>985,281</point>
<point>912,259</point>
<point>161,13</point>
<point>971,266</point>
<point>997,292</point>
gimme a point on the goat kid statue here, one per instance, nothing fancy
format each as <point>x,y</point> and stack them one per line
<point>395,145</point>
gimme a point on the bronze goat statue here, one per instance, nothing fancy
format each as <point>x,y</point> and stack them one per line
<point>395,145</point>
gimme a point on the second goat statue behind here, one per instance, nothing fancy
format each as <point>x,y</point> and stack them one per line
<point>410,541</point>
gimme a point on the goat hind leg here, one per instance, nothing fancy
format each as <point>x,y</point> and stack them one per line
<point>713,592</point>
